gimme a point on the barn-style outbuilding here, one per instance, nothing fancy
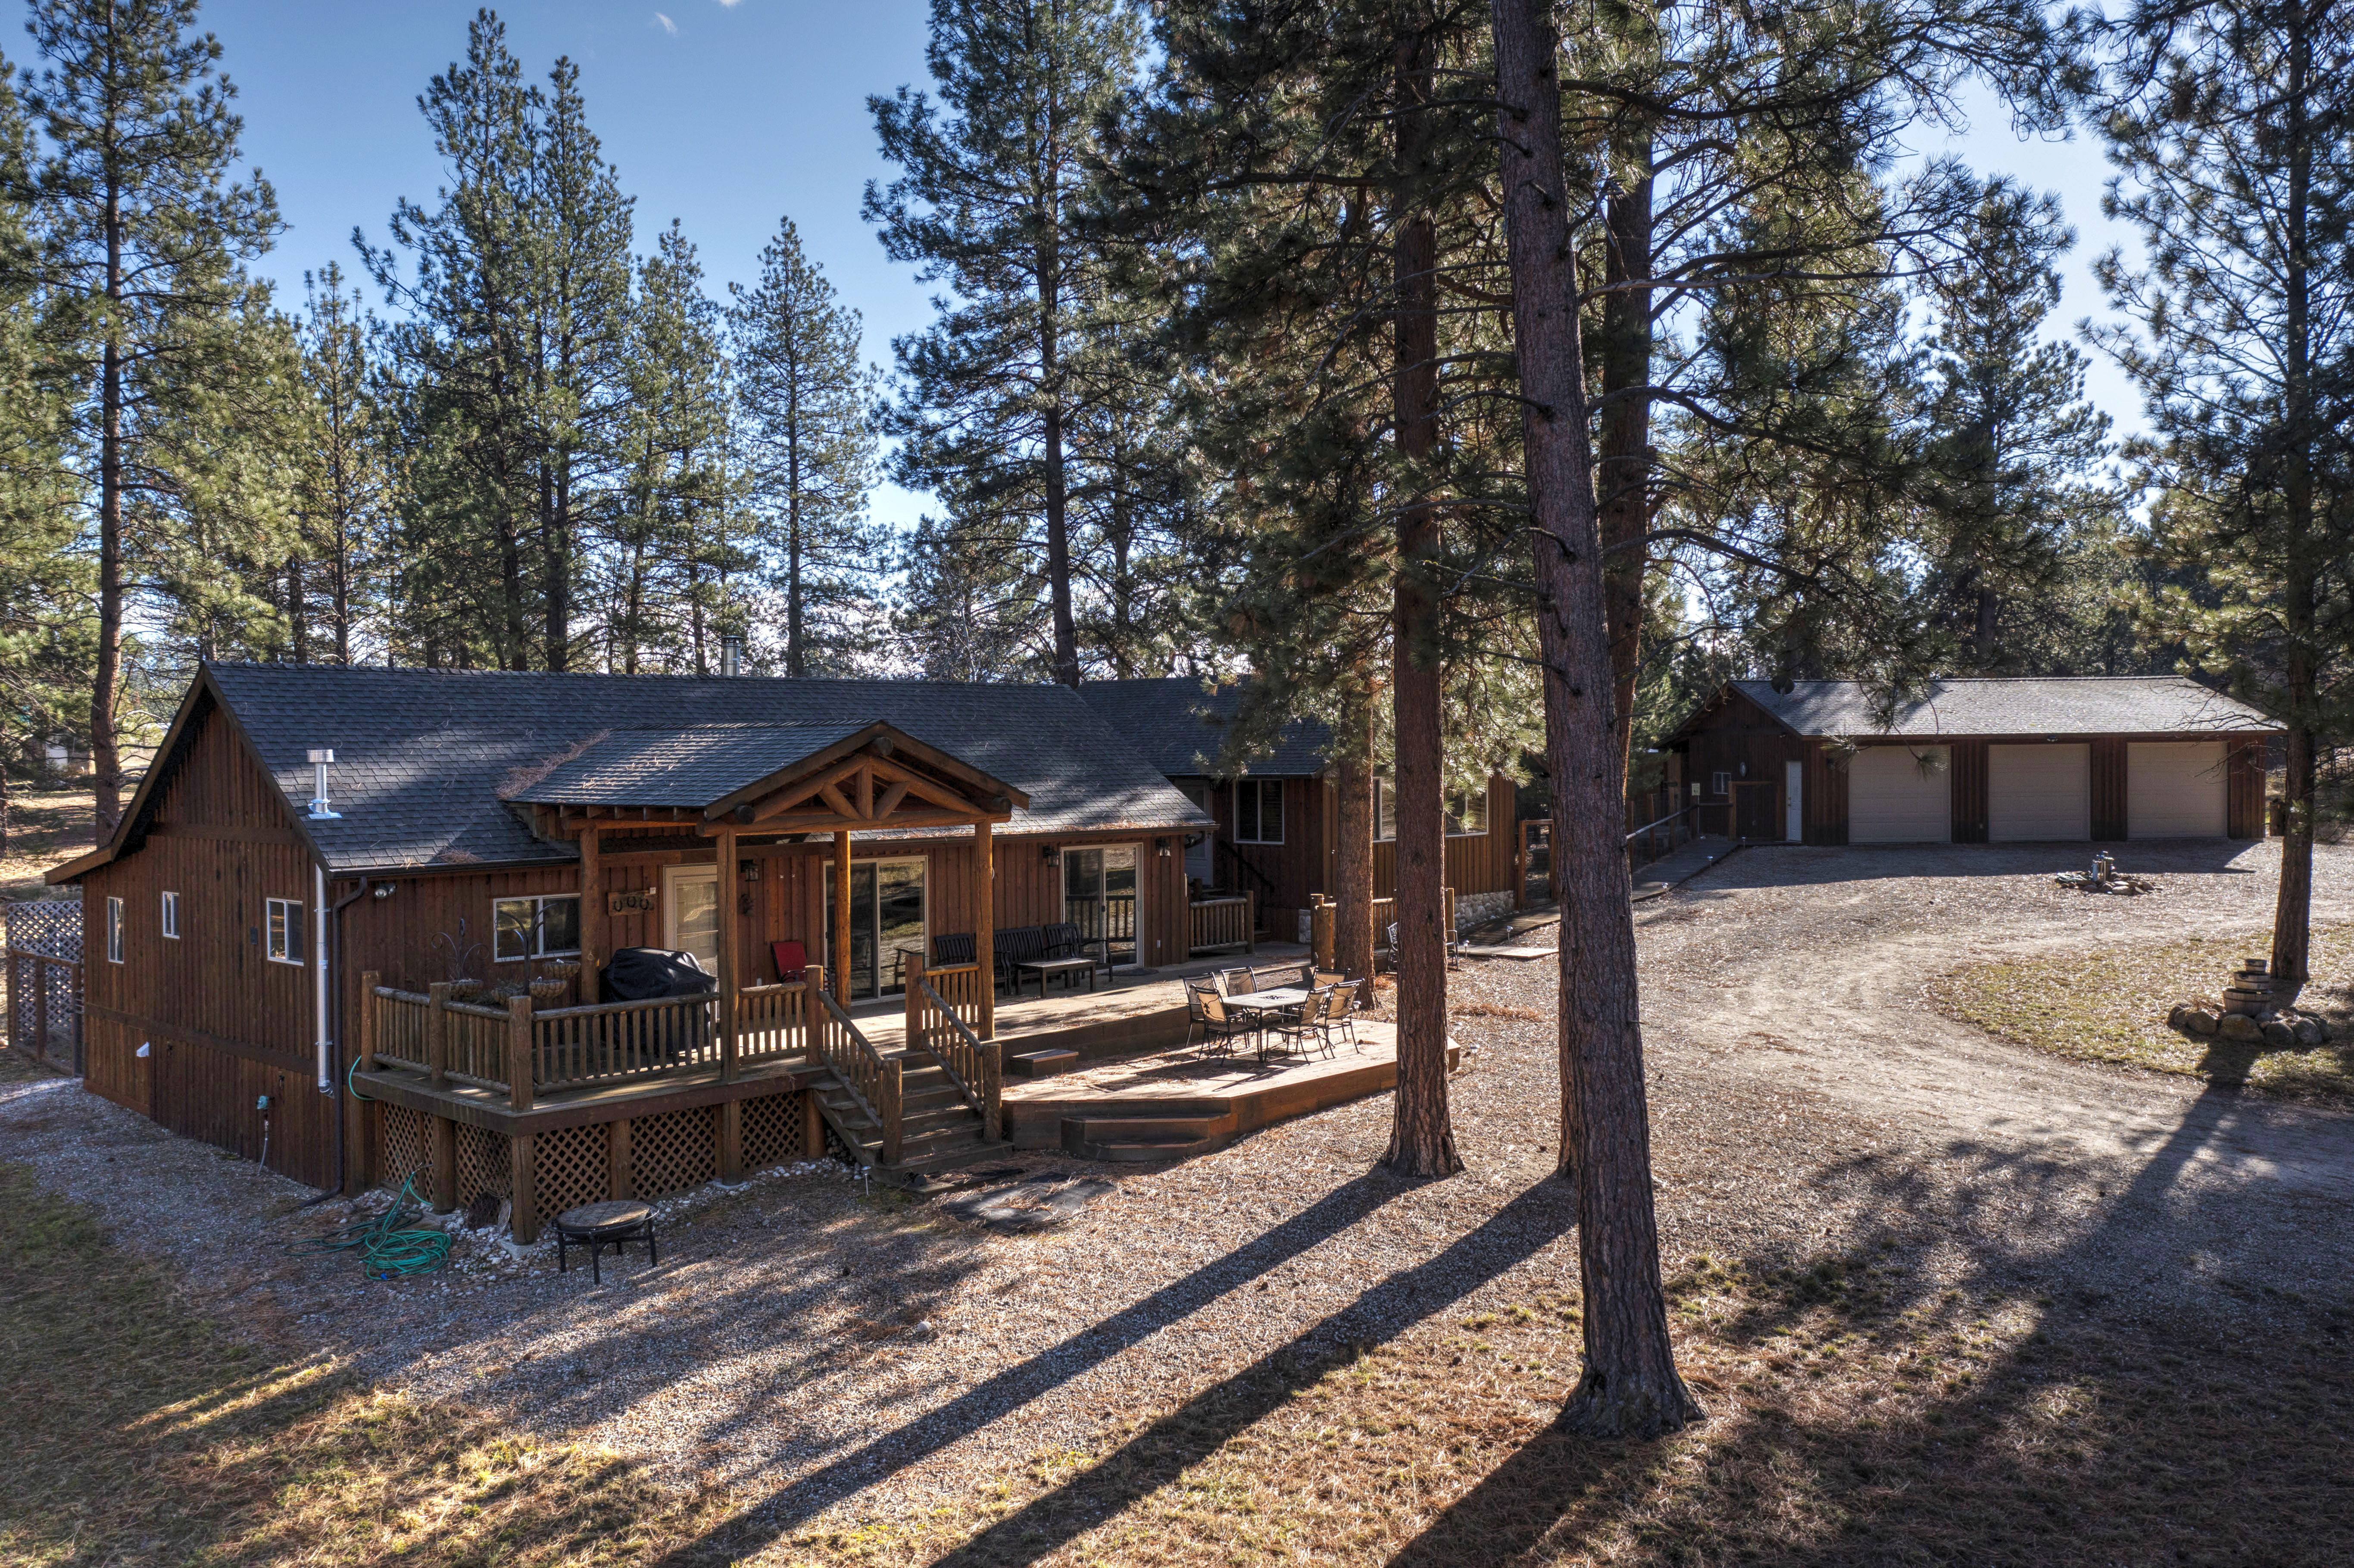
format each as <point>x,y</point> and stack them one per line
<point>1981,760</point>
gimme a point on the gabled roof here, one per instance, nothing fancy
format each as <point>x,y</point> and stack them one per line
<point>2058,705</point>
<point>673,766</point>
<point>1182,728</point>
<point>423,756</point>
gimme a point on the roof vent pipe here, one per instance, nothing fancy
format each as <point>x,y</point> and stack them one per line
<point>320,757</point>
<point>731,656</point>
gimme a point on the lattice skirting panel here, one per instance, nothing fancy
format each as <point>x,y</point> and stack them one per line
<point>570,1165</point>
<point>404,1150</point>
<point>485,1164</point>
<point>674,1152</point>
<point>772,1129</point>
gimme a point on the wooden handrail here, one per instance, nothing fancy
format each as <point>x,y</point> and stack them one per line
<point>1663,822</point>
<point>981,1080</point>
<point>871,1079</point>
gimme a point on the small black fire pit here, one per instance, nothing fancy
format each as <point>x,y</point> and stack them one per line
<point>598,1225</point>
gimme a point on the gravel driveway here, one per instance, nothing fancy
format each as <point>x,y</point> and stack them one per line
<point>815,1350</point>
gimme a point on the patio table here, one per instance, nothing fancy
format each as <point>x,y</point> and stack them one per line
<point>1257,1004</point>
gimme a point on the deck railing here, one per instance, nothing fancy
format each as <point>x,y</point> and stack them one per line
<point>616,1042</point>
<point>1224,923</point>
<point>957,985</point>
<point>872,1078</point>
<point>450,1041</point>
<point>1653,840</point>
<point>522,1052</point>
<point>977,1068</point>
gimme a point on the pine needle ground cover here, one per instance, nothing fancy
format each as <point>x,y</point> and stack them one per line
<point>2111,1006</point>
<point>1859,1413</point>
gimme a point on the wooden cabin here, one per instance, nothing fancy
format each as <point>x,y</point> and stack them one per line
<point>1994,760</point>
<point>1277,811</point>
<point>366,913</point>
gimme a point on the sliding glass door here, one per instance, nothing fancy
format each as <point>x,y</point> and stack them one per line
<point>886,924</point>
<point>1099,897</point>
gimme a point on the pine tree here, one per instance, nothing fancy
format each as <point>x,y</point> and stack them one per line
<point>994,186</point>
<point>343,479</point>
<point>805,415</point>
<point>2231,125</point>
<point>141,229</point>
<point>2013,442</point>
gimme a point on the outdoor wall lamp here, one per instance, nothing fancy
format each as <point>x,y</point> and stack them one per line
<point>1163,845</point>
<point>749,869</point>
<point>1047,854</point>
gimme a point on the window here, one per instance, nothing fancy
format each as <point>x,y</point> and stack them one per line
<point>1385,810</point>
<point>114,930</point>
<point>535,927</point>
<point>1466,813</point>
<point>1258,811</point>
<point>285,930</point>
<point>1720,783</point>
<point>171,915</point>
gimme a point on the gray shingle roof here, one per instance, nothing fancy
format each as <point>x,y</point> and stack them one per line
<point>1182,728</point>
<point>673,766</point>
<point>2073,705</point>
<point>421,756</point>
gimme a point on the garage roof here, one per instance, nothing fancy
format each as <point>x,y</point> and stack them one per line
<point>2069,704</point>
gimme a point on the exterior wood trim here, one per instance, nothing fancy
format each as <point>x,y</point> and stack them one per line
<point>268,1057</point>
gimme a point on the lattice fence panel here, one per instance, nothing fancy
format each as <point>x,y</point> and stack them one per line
<point>772,1129</point>
<point>405,1151</point>
<point>569,1163</point>
<point>485,1164</point>
<point>674,1152</point>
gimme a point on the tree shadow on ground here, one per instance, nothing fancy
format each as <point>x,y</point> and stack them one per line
<point>1899,1418</point>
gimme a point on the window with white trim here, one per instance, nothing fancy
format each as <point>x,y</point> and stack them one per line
<point>114,930</point>
<point>1385,810</point>
<point>1466,813</point>
<point>1720,783</point>
<point>542,927</point>
<point>286,931</point>
<point>1258,811</point>
<point>171,915</point>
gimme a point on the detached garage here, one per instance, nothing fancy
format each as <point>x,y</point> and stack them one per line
<point>2041,760</point>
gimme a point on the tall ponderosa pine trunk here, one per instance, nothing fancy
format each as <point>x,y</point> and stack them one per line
<point>1058,531</point>
<point>1352,857</point>
<point>1625,470</point>
<point>1422,1139</point>
<point>2293,907</point>
<point>1630,1387</point>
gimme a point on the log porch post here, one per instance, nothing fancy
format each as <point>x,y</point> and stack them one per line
<point>984,920</point>
<point>842,918</point>
<point>593,914</point>
<point>731,938</point>
<point>437,1035</point>
<point>914,999</point>
<point>522,1181</point>
<point>519,1070</point>
<point>442,1140</point>
<point>618,1175</point>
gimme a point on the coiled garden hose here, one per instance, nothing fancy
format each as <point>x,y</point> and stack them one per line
<point>389,1247</point>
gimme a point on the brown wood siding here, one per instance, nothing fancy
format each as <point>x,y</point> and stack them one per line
<point>2244,772</point>
<point>2108,787</point>
<point>1743,741</point>
<point>1476,862</point>
<point>223,1025</point>
<point>1826,803</point>
<point>1969,762</point>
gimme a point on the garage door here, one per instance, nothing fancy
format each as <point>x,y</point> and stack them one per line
<point>2039,793</point>
<point>1891,800</point>
<point>2174,790</point>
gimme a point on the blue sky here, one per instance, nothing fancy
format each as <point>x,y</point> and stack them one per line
<point>728,114</point>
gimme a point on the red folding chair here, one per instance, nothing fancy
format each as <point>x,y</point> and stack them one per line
<point>792,960</point>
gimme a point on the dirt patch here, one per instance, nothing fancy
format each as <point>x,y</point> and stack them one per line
<point>2111,1006</point>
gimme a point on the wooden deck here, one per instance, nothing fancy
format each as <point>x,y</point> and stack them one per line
<point>1172,1103</point>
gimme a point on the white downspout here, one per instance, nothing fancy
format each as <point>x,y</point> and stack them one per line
<point>319,975</point>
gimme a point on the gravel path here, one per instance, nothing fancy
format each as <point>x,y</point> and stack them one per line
<point>816,1348</point>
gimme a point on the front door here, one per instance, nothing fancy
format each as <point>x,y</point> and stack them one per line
<point>691,913</point>
<point>886,918</point>
<point>1099,897</point>
<point>1752,811</point>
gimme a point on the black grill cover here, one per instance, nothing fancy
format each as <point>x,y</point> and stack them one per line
<point>643,974</point>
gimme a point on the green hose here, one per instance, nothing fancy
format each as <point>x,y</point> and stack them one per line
<point>388,1247</point>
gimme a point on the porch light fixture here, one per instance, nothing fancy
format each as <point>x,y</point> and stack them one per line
<point>1161,845</point>
<point>1047,853</point>
<point>749,869</point>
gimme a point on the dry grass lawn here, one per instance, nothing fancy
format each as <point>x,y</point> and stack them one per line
<point>1857,1414</point>
<point>2111,1007</point>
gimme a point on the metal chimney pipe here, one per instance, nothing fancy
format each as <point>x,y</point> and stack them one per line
<point>320,757</point>
<point>731,656</point>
